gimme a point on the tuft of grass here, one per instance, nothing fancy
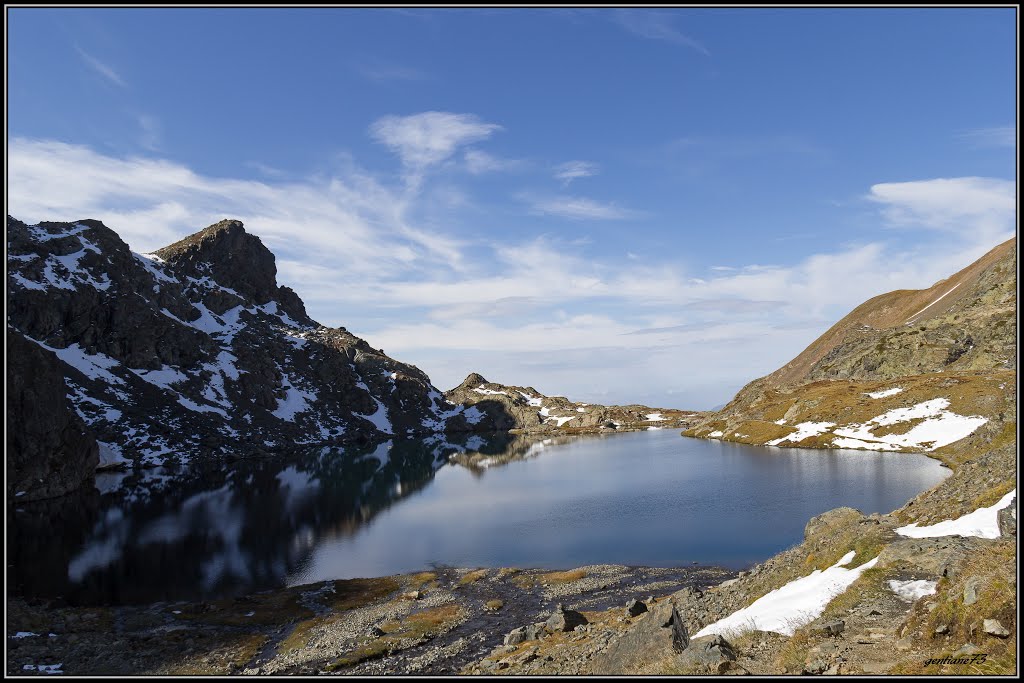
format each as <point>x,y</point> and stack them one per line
<point>563,577</point>
<point>472,577</point>
<point>793,654</point>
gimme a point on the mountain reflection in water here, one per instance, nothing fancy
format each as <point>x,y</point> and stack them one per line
<point>652,498</point>
<point>216,529</point>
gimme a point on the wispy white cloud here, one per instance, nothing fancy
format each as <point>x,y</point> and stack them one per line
<point>998,136</point>
<point>580,208</point>
<point>151,132</point>
<point>541,311</point>
<point>571,170</point>
<point>265,169</point>
<point>101,68</point>
<point>425,139</point>
<point>655,25</point>
<point>986,207</point>
<point>478,162</point>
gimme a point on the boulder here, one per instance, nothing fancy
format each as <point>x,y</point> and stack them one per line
<point>831,519</point>
<point>708,655</point>
<point>564,620</point>
<point>939,557</point>
<point>635,608</point>
<point>830,628</point>
<point>972,587</point>
<point>1008,520</point>
<point>658,634</point>
<point>524,633</point>
<point>994,627</point>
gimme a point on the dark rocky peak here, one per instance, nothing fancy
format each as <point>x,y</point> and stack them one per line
<point>228,254</point>
<point>237,260</point>
<point>472,381</point>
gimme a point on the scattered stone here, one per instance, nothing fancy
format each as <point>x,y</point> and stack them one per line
<point>972,587</point>
<point>905,644</point>
<point>967,649</point>
<point>564,620</point>
<point>831,628</point>
<point>707,653</point>
<point>993,627</point>
<point>815,667</point>
<point>413,595</point>
<point>635,608</point>
<point>942,630</point>
<point>524,633</point>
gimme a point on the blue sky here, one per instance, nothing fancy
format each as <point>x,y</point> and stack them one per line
<point>620,206</point>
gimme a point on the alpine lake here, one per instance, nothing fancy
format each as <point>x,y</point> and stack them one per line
<point>649,498</point>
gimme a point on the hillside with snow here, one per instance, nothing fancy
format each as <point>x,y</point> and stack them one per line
<point>526,409</point>
<point>193,351</point>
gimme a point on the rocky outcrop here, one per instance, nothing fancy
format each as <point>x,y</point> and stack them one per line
<point>50,452</point>
<point>946,354</point>
<point>526,409</point>
<point>658,635</point>
<point>196,351</point>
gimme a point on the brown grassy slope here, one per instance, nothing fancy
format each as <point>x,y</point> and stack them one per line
<point>894,310</point>
<point>969,331</point>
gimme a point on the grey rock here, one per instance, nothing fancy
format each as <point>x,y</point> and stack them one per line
<point>941,630</point>
<point>942,556</point>
<point>968,649</point>
<point>524,633</point>
<point>652,636</point>
<point>564,620</point>
<point>815,667</point>
<point>1008,520</point>
<point>994,627</point>
<point>635,608</point>
<point>830,628</point>
<point>831,519</point>
<point>707,653</point>
<point>972,587</point>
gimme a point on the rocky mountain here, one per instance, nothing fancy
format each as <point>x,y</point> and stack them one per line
<point>526,409</point>
<point>191,351</point>
<point>911,370</point>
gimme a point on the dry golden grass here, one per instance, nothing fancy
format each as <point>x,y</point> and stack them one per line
<point>472,577</point>
<point>563,577</point>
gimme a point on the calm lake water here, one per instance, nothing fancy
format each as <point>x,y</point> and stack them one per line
<point>644,498</point>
